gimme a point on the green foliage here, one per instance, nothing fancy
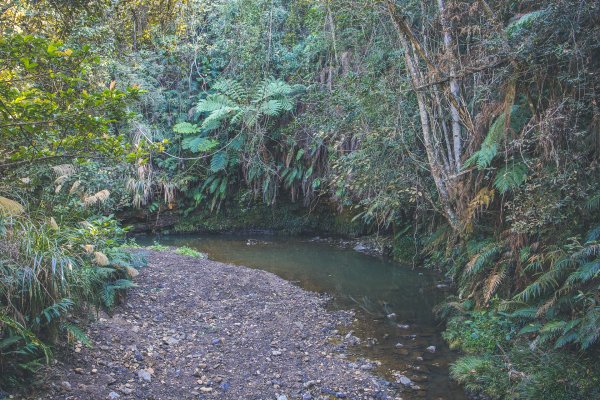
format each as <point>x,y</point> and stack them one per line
<point>522,373</point>
<point>158,247</point>
<point>510,177</point>
<point>211,128</point>
<point>479,332</point>
<point>50,275</point>
<point>43,95</point>
<point>188,251</point>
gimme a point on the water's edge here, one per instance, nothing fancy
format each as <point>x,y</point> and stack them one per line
<point>393,303</point>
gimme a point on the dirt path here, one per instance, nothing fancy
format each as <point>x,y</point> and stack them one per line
<point>199,329</point>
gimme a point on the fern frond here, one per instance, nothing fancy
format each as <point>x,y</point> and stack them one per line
<point>482,259</point>
<point>584,273</point>
<point>199,144</point>
<point>510,177</point>
<point>186,128</point>
<point>76,333</point>
<point>218,162</point>
<point>230,88</point>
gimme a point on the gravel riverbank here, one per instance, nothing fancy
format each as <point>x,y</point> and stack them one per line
<point>200,329</point>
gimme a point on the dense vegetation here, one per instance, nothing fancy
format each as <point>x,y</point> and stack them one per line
<point>468,132</point>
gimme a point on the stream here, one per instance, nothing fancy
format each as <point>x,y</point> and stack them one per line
<point>393,302</point>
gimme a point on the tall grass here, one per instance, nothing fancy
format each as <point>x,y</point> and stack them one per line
<point>49,274</point>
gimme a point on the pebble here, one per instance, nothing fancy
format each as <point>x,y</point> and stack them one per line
<point>171,341</point>
<point>404,380</point>
<point>431,349</point>
<point>309,384</point>
<point>126,390</point>
<point>113,395</point>
<point>144,375</point>
<point>66,385</point>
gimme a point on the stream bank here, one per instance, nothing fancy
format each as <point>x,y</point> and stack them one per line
<point>200,329</point>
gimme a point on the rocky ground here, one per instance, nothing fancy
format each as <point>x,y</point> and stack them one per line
<point>199,329</point>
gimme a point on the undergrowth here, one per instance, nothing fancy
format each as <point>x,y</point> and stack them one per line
<point>51,277</point>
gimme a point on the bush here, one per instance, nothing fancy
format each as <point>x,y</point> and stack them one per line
<point>50,274</point>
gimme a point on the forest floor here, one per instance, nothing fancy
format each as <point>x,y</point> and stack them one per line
<point>200,329</point>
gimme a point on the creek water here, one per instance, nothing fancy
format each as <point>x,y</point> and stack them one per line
<point>375,288</point>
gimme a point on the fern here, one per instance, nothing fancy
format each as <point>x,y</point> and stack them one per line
<point>489,148</point>
<point>272,108</point>
<point>218,162</point>
<point>54,312</point>
<point>510,177</point>
<point>109,293</point>
<point>186,128</point>
<point>76,333</point>
<point>199,144</point>
<point>585,273</point>
<point>482,259</point>
<point>230,88</point>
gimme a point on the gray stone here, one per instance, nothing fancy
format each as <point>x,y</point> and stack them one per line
<point>113,395</point>
<point>144,375</point>
<point>431,349</point>
<point>404,380</point>
<point>171,341</point>
<point>309,384</point>
<point>360,247</point>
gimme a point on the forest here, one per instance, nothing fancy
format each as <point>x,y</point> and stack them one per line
<point>462,137</point>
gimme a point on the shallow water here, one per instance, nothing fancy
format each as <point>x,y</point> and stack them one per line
<point>372,286</point>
